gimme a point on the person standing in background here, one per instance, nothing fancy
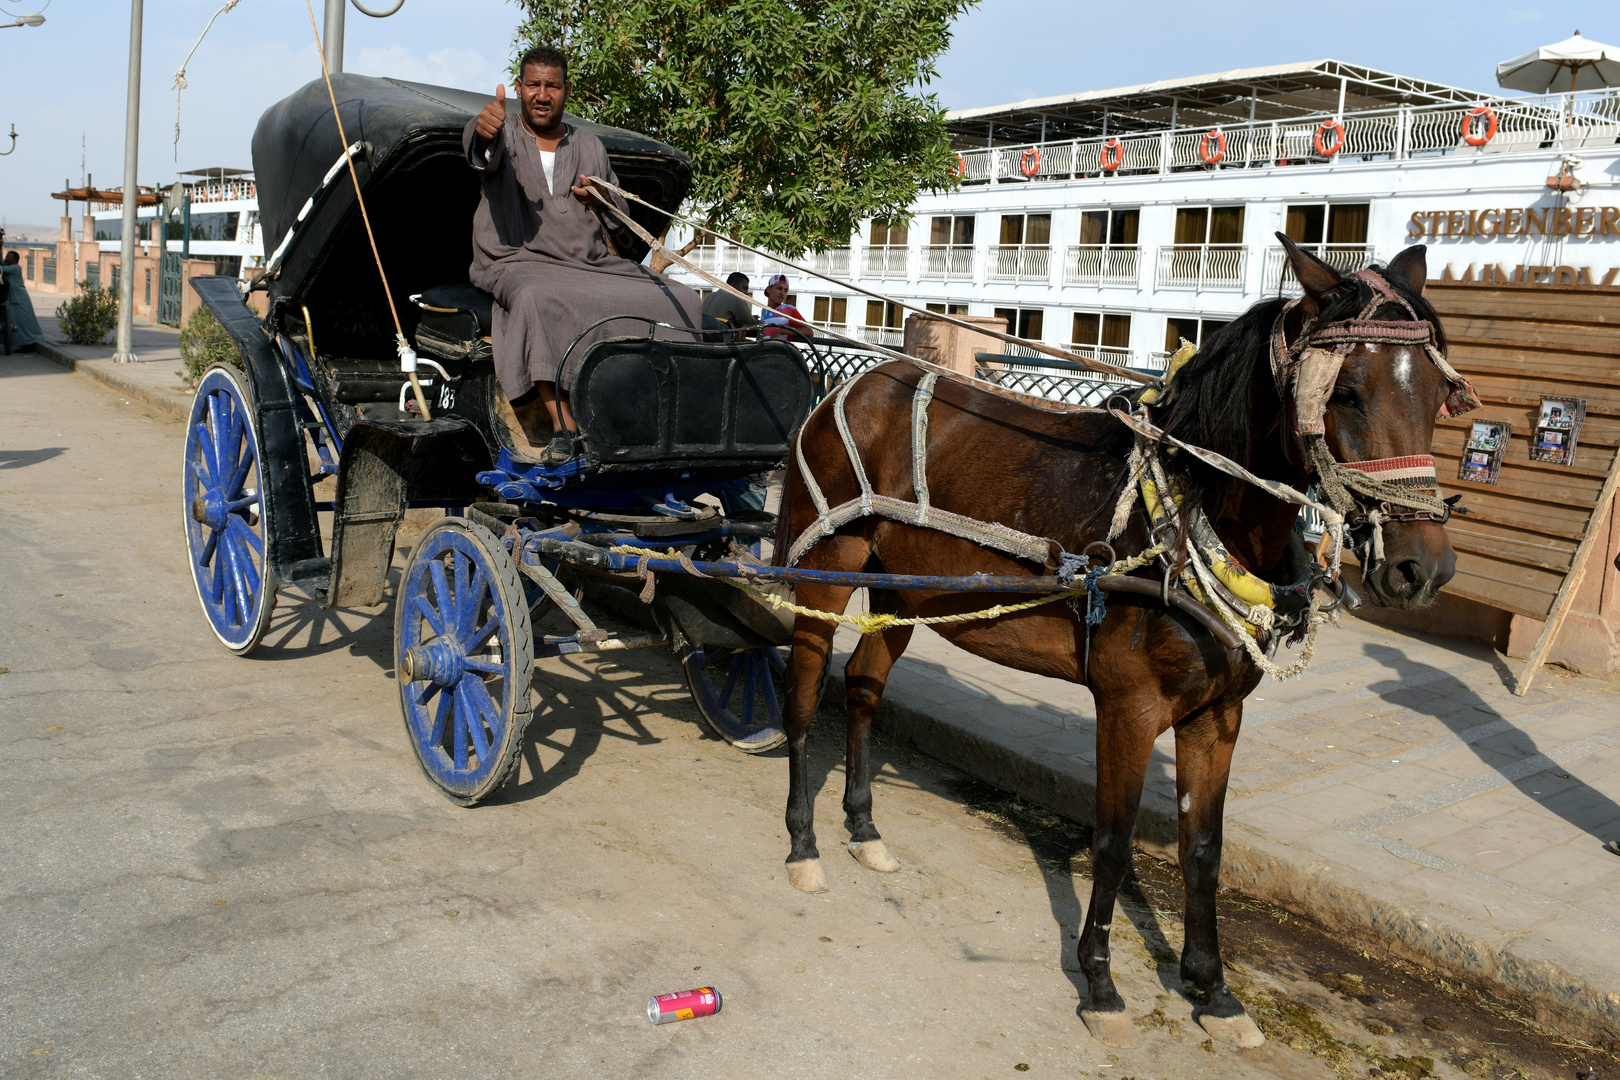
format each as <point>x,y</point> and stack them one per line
<point>25,331</point>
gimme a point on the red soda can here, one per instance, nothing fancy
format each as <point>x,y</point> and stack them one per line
<point>667,1008</point>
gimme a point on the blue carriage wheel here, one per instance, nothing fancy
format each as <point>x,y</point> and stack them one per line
<point>463,659</point>
<point>227,533</point>
<point>738,694</point>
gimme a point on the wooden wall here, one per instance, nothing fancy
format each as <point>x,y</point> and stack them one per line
<point>1516,344</point>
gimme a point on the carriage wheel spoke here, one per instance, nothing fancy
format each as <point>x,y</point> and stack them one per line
<point>475,601</point>
<point>474,721</point>
<point>425,695</point>
<point>216,585</point>
<point>772,706</point>
<point>458,731</point>
<point>750,669</point>
<point>457,620</point>
<point>731,679</point>
<point>436,734</point>
<point>210,546</point>
<point>217,423</point>
<point>429,614</point>
<point>442,598</point>
<point>478,663</point>
<point>480,639</point>
<point>205,445</point>
<point>245,534</point>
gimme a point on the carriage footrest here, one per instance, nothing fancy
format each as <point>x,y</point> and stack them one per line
<point>312,575</point>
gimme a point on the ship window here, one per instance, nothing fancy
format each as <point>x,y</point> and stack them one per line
<point>1318,223</point>
<point>886,235</point>
<point>1029,230</point>
<point>881,313</point>
<point>951,231</point>
<point>948,309</point>
<point>1024,322</point>
<point>1187,328</point>
<point>1101,328</point>
<point>1197,225</point>
<point>830,311</point>
<point>1099,227</point>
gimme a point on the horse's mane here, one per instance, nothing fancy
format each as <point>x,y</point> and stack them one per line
<point>1216,395</point>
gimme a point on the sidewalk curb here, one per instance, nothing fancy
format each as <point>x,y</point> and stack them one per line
<point>1563,993</point>
<point>101,371</point>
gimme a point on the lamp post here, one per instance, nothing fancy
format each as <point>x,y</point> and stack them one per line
<point>332,35</point>
<point>25,20</point>
<point>126,240</point>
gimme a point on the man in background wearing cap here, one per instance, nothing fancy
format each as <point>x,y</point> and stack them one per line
<point>785,319</point>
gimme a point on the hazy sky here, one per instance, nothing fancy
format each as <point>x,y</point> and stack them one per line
<point>66,79</point>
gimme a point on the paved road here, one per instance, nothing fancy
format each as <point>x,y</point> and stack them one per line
<point>222,867</point>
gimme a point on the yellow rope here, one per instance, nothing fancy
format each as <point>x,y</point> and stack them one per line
<point>873,622</point>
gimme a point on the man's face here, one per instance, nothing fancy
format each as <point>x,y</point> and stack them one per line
<point>776,294</point>
<point>543,92</point>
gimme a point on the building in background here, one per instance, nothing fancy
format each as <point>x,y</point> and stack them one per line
<point>1118,222</point>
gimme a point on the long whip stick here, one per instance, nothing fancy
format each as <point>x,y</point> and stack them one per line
<point>407,355</point>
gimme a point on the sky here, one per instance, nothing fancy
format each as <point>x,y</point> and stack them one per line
<point>75,67</point>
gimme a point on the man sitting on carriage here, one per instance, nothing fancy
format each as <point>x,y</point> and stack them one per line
<point>542,244</point>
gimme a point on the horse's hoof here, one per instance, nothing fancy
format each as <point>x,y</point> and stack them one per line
<point>873,855</point>
<point>1233,1029</point>
<point>1114,1029</point>
<point>806,876</point>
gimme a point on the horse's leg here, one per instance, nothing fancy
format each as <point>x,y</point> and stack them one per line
<point>864,678</point>
<point>806,673</point>
<point>1204,743</point>
<point>1125,735</point>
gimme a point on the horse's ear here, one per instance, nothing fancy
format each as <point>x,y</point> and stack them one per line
<point>1316,277</point>
<point>1411,266</point>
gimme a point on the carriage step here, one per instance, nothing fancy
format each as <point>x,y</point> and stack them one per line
<point>312,575</point>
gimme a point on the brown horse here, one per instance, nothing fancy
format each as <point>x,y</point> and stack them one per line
<point>1056,473</point>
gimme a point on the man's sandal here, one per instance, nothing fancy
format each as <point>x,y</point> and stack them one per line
<point>560,449</point>
<point>1612,847</point>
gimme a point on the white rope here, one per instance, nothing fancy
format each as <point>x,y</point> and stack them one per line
<point>180,75</point>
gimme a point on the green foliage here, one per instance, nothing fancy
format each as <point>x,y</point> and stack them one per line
<point>801,117</point>
<point>90,316</point>
<point>204,343</point>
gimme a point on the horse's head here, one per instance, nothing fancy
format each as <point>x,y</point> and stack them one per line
<point>1366,371</point>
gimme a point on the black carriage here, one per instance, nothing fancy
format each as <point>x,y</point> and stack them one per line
<point>320,395</point>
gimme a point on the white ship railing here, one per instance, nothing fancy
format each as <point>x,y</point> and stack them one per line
<point>1555,122</point>
<point>1100,264</point>
<point>892,336</point>
<point>1205,267</point>
<point>952,262</point>
<point>1019,262</point>
<point>886,261</point>
<point>1345,258</point>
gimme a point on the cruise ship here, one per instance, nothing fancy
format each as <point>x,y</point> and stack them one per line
<point>1117,223</point>
<point>224,222</point>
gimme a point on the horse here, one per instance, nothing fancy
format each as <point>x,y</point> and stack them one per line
<point>1057,472</point>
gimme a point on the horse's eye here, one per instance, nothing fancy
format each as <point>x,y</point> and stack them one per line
<point>1343,395</point>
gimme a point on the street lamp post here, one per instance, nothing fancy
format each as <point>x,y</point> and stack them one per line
<point>25,20</point>
<point>126,241</point>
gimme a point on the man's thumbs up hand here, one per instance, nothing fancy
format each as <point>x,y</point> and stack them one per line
<point>493,116</point>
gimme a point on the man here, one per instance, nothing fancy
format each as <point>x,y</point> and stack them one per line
<point>786,321</point>
<point>25,332</point>
<point>722,311</point>
<point>541,243</point>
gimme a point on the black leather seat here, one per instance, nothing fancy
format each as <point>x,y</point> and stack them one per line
<point>456,322</point>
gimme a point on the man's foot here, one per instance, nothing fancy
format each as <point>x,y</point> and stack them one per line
<point>560,449</point>
<point>1612,847</point>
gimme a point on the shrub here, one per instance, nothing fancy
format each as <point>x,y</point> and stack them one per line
<point>204,343</point>
<point>90,316</point>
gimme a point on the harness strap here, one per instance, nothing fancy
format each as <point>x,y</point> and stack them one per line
<point>849,444</point>
<point>919,443</point>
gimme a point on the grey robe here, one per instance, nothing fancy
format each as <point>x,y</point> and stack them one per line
<point>541,255</point>
<point>24,326</point>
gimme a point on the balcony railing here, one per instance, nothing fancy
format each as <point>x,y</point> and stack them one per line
<point>1205,267</point>
<point>1020,263</point>
<point>892,336</point>
<point>1345,258</point>
<point>886,261</point>
<point>1100,264</point>
<point>1557,122</point>
<point>948,262</point>
<point>835,261</point>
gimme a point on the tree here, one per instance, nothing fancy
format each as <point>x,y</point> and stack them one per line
<point>802,117</point>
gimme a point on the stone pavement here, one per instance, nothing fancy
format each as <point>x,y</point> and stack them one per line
<point>1398,793</point>
<point>151,379</point>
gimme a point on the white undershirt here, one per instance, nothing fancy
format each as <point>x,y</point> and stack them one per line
<point>548,162</point>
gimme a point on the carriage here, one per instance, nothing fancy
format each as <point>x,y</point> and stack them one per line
<point>320,419</point>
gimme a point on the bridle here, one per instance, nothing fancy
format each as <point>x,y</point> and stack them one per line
<point>1376,492</point>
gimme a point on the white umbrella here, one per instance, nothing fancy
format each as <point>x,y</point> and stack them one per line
<point>1575,63</point>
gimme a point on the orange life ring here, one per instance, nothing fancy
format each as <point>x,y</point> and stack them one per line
<point>1468,126</point>
<point>1338,140</point>
<point>1029,162</point>
<point>1112,164</point>
<point>1219,138</point>
<point>961,165</point>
